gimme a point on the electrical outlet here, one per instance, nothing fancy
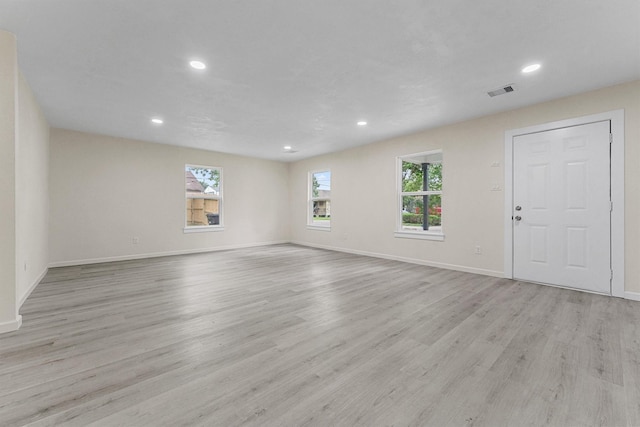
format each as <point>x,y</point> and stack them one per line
<point>135,240</point>
<point>478,250</point>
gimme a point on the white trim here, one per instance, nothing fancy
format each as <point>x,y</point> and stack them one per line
<point>617,197</point>
<point>617,190</point>
<point>634,296</point>
<point>462,268</point>
<point>11,326</point>
<point>423,193</point>
<point>24,297</point>
<point>159,254</point>
<point>424,235</point>
<point>202,228</point>
<point>319,227</point>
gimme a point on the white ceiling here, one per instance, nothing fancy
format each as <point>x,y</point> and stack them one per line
<point>303,72</point>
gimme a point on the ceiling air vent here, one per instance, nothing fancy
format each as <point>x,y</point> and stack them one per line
<point>502,90</point>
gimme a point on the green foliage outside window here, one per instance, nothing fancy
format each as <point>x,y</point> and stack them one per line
<point>412,181</point>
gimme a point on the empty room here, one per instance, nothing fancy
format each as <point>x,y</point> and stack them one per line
<point>319,213</point>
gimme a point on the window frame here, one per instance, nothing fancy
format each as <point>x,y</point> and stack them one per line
<point>430,234</point>
<point>310,200</point>
<point>219,197</point>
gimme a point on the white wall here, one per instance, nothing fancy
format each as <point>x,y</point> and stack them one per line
<point>363,189</point>
<point>104,191</point>
<point>24,205</point>
<point>32,193</point>
<point>9,319</point>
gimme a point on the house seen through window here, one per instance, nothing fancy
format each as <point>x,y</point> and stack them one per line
<point>320,199</point>
<point>420,192</point>
<point>203,189</point>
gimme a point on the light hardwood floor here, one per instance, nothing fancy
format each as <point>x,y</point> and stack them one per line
<point>293,336</point>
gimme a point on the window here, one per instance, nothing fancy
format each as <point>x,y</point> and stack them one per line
<point>420,196</point>
<point>203,192</point>
<point>319,200</point>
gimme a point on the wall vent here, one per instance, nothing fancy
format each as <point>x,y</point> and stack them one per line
<point>501,91</point>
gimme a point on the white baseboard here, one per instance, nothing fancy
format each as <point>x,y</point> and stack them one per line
<point>635,296</point>
<point>158,254</point>
<point>11,326</point>
<point>455,267</point>
<point>24,297</point>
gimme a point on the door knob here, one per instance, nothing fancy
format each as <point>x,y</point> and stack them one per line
<point>518,218</point>
<point>518,208</point>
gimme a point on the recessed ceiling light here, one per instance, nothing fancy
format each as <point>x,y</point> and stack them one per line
<point>198,65</point>
<point>157,121</point>
<point>287,147</point>
<point>531,68</point>
<point>362,123</point>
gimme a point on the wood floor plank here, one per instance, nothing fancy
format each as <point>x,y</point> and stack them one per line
<point>288,335</point>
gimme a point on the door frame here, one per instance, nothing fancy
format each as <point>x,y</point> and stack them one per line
<point>617,190</point>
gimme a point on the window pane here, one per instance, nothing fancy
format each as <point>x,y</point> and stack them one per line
<point>413,208</point>
<point>411,177</point>
<point>202,180</point>
<point>321,184</point>
<point>321,212</point>
<point>434,177</point>
<point>435,211</point>
<point>203,212</point>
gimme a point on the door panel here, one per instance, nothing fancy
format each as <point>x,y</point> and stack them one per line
<point>577,247</point>
<point>576,185</point>
<point>561,182</point>
<point>538,186</point>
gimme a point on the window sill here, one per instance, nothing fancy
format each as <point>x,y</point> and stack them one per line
<point>423,235</point>
<point>203,229</point>
<point>319,227</point>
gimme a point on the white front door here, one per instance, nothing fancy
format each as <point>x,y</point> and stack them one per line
<point>561,207</point>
